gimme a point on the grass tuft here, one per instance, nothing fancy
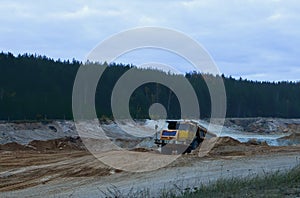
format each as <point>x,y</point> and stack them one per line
<point>276,184</point>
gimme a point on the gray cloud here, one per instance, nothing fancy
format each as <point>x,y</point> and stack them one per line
<point>254,39</point>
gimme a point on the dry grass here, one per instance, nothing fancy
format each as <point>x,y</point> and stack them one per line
<point>276,184</point>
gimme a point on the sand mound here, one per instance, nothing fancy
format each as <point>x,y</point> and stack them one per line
<point>67,143</point>
<point>263,125</point>
<point>227,146</point>
<point>13,146</point>
<point>293,139</point>
<point>227,141</point>
<point>295,136</point>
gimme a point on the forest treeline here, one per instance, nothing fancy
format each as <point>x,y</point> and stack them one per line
<point>37,87</point>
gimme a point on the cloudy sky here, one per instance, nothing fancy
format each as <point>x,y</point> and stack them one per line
<point>254,39</point>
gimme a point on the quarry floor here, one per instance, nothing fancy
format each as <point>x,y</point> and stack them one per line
<point>49,159</point>
<point>74,173</point>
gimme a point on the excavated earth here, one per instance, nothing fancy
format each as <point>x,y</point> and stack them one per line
<point>51,159</point>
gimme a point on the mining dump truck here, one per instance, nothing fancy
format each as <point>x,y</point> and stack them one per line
<point>180,137</point>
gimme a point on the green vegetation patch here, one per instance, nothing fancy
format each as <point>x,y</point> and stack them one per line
<point>276,184</point>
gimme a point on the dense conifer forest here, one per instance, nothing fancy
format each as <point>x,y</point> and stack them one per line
<point>34,87</point>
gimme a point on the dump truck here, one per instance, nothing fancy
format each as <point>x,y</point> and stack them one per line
<point>180,137</point>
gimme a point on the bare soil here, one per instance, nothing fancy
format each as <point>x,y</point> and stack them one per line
<point>63,165</point>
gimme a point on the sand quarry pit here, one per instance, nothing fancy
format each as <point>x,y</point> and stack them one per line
<point>64,167</point>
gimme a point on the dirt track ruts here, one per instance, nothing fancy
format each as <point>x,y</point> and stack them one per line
<point>80,174</point>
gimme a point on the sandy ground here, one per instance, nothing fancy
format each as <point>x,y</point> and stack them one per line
<point>50,160</point>
<point>80,174</point>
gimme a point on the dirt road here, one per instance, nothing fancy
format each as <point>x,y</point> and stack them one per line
<point>50,160</point>
<point>80,174</point>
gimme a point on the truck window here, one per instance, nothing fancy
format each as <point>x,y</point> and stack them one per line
<point>182,126</point>
<point>172,125</point>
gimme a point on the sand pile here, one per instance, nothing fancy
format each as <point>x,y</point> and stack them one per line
<point>24,132</point>
<point>293,139</point>
<point>67,143</point>
<point>13,146</point>
<point>263,125</point>
<point>227,146</point>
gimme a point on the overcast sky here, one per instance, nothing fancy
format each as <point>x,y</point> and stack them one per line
<point>254,39</point>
